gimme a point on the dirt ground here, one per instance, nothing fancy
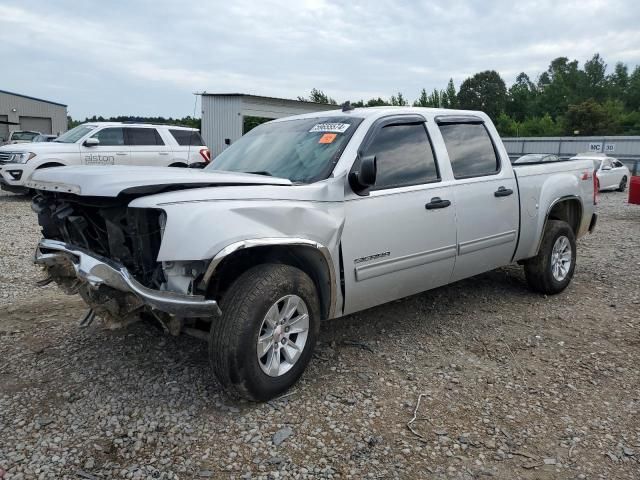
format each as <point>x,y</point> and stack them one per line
<point>510,384</point>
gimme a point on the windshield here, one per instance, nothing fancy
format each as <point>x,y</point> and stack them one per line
<point>28,136</point>
<point>75,134</point>
<point>303,150</point>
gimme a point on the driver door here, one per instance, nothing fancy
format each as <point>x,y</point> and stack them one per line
<point>110,151</point>
<point>400,238</point>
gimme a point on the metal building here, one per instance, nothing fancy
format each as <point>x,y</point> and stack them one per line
<point>21,112</point>
<point>223,114</point>
<point>624,148</point>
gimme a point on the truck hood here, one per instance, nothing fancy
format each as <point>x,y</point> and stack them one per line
<point>113,180</point>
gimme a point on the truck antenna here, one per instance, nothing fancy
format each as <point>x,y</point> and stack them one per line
<point>346,106</point>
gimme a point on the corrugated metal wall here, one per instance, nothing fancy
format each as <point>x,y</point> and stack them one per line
<point>28,107</point>
<point>221,118</point>
<point>624,148</point>
<point>222,115</point>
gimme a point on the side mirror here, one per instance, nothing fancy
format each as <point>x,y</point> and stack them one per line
<point>606,168</point>
<point>91,142</point>
<point>365,177</point>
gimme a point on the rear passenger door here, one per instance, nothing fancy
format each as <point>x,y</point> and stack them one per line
<point>147,147</point>
<point>485,194</point>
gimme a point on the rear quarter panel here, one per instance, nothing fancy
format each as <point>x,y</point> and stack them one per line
<point>541,186</point>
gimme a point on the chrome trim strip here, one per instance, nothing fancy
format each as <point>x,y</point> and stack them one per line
<point>365,272</point>
<point>97,271</point>
<point>272,242</point>
<point>486,242</point>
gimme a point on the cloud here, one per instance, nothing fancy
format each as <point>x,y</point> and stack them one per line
<point>148,57</point>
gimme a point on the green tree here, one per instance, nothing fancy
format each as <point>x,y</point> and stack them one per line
<point>449,96</point>
<point>618,82</point>
<point>560,86</point>
<point>484,91</point>
<point>423,99</point>
<point>543,126</point>
<point>596,79</point>
<point>398,101</point>
<point>376,102</point>
<point>593,118</point>
<point>318,96</point>
<point>632,97</point>
<point>507,126</point>
<point>521,101</point>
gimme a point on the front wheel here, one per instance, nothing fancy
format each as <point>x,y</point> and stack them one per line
<point>265,338</point>
<point>551,271</point>
<point>623,184</point>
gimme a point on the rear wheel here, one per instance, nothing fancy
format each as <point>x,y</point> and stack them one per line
<point>551,271</point>
<point>623,184</point>
<point>265,338</point>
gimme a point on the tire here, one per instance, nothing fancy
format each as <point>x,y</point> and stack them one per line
<point>233,338</point>
<point>539,270</point>
<point>623,184</point>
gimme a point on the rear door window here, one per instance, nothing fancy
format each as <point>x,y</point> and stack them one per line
<point>470,149</point>
<point>187,137</point>
<point>143,137</point>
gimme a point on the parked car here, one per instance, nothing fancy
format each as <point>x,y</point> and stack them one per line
<point>104,143</point>
<point>537,158</point>
<point>611,174</point>
<point>21,136</point>
<point>303,219</point>
<point>44,138</point>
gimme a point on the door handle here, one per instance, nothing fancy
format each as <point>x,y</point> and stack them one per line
<point>121,153</point>
<point>503,192</point>
<point>163,153</point>
<point>437,202</point>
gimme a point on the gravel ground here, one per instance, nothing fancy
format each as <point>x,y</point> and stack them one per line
<point>511,384</point>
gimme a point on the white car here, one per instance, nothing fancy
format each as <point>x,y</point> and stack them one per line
<point>104,143</point>
<point>21,136</point>
<point>611,174</point>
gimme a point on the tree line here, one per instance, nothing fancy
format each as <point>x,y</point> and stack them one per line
<point>566,99</point>
<point>187,121</point>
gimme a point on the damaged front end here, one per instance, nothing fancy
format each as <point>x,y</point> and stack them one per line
<point>106,252</point>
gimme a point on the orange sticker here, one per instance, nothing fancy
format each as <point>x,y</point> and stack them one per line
<point>328,138</point>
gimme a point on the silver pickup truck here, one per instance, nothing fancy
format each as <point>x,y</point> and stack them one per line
<point>303,219</point>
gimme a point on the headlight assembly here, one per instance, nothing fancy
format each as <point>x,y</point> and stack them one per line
<point>21,157</point>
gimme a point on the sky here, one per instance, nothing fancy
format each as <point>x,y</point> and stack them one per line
<point>148,58</point>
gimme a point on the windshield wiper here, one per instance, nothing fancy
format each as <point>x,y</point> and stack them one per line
<point>261,172</point>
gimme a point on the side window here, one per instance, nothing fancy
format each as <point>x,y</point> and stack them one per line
<point>470,150</point>
<point>110,136</point>
<point>187,137</point>
<point>404,156</point>
<point>143,137</point>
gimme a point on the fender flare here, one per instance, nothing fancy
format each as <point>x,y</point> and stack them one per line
<point>550,208</point>
<point>273,242</point>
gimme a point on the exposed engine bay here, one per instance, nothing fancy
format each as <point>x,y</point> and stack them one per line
<point>127,239</point>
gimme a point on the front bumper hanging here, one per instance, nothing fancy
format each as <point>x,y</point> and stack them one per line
<point>97,271</point>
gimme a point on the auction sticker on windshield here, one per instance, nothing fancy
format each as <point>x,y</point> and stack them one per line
<point>330,127</point>
<point>327,138</point>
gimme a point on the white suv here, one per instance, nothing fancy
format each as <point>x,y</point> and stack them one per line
<point>104,143</point>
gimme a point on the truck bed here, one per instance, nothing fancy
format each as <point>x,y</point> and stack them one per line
<point>539,182</point>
